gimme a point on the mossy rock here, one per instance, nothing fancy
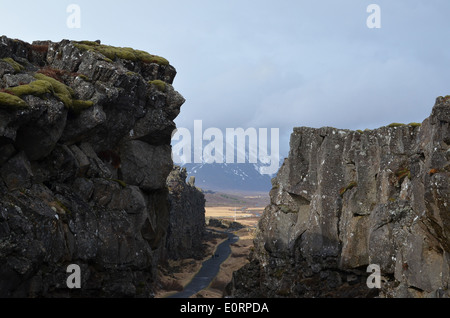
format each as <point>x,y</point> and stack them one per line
<point>78,106</point>
<point>394,125</point>
<point>89,43</point>
<point>62,91</point>
<point>125,53</point>
<point>149,58</point>
<point>65,94</point>
<point>42,86</point>
<point>415,125</point>
<point>36,88</point>
<point>160,85</point>
<point>16,66</point>
<point>11,102</point>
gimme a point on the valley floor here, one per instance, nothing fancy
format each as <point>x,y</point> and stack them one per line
<point>179,273</point>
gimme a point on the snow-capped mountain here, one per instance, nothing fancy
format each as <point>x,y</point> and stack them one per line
<point>226,177</point>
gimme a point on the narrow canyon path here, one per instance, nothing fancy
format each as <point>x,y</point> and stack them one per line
<point>210,268</point>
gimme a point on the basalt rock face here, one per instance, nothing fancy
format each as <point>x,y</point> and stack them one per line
<point>346,199</point>
<point>85,151</point>
<point>187,217</point>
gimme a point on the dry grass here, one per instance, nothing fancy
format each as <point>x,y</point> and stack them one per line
<point>248,217</point>
<point>40,48</point>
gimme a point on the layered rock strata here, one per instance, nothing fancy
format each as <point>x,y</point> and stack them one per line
<point>344,200</point>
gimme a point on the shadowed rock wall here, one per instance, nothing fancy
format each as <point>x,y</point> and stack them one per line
<point>187,217</point>
<point>85,134</point>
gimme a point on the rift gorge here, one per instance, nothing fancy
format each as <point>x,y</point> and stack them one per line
<point>87,178</point>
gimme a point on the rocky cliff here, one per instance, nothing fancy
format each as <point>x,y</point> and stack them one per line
<point>85,134</point>
<point>186,218</point>
<point>346,199</point>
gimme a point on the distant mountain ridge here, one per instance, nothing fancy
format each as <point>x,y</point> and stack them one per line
<point>226,177</point>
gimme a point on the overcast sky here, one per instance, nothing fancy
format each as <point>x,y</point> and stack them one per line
<point>272,64</point>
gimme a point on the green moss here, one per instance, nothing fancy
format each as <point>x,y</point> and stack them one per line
<point>350,186</point>
<point>360,131</point>
<point>126,53</point>
<point>44,85</point>
<point>393,125</point>
<point>415,125</point>
<point>36,88</point>
<point>78,106</point>
<point>89,43</point>
<point>17,67</point>
<point>149,58</point>
<point>115,52</point>
<point>62,91</point>
<point>160,85</point>
<point>12,102</point>
<point>65,94</point>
